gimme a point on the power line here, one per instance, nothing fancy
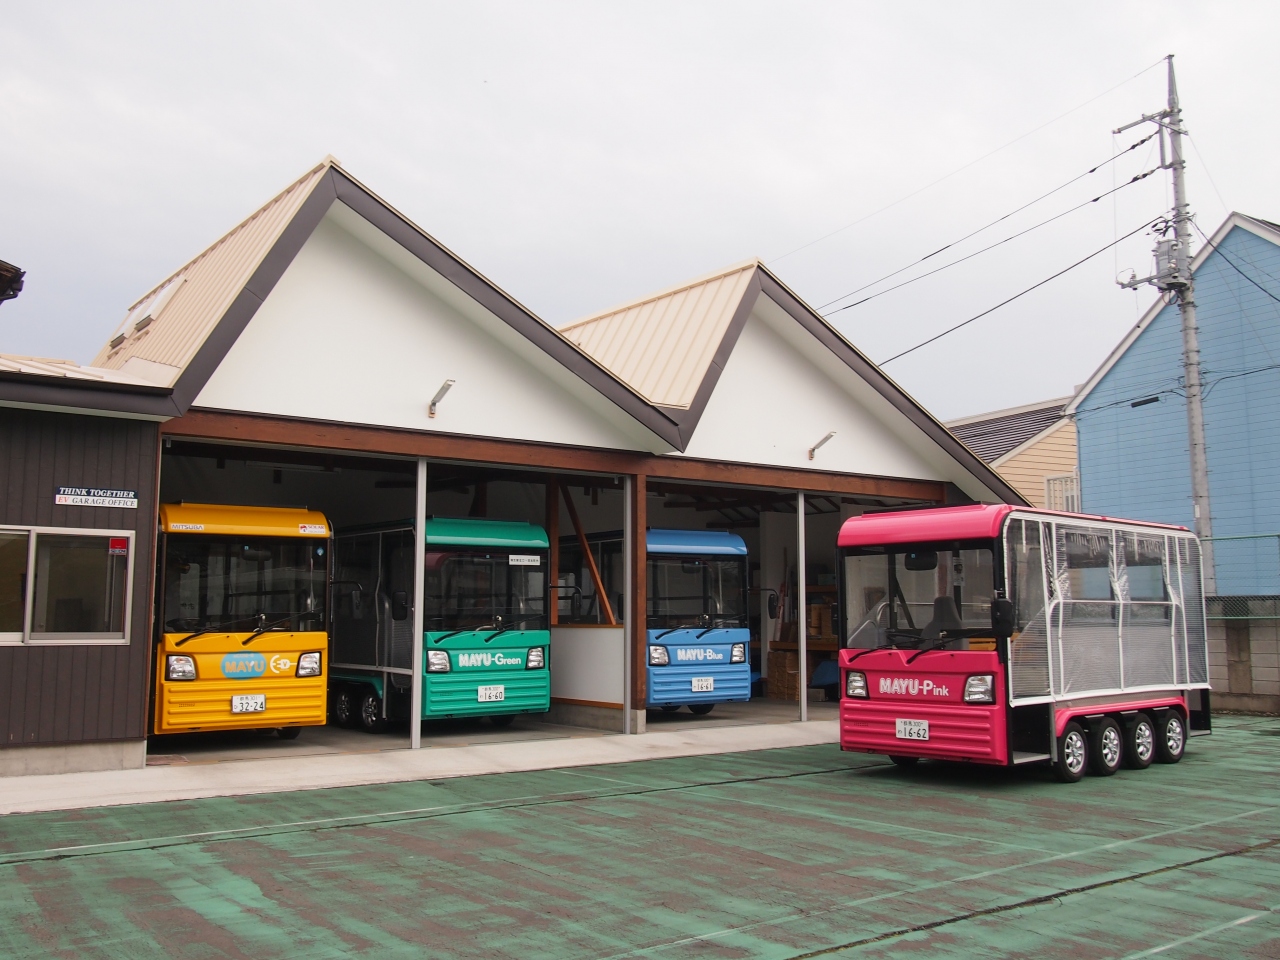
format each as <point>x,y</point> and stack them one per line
<point>1011,213</point>
<point>1003,303</point>
<point>971,163</point>
<point>899,286</point>
<point>1224,256</point>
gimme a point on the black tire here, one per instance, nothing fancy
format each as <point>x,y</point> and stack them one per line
<point>288,733</point>
<point>701,709</point>
<point>371,718</point>
<point>904,761</point>
<point>1073,754</point>
<point>1106,747</point>
<point>670,707</point>
<point>502,719</point>
<point>345,708</point>
<point>1171,737</point>
<point>1139,743</point>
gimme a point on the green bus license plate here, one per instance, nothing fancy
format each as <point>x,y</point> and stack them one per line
<point>249,703</point>
<point>491,694</point>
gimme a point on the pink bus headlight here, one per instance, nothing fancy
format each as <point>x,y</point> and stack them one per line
<point>855,684</point>
<point>980,689</point>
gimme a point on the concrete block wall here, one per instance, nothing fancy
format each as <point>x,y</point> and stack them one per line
<point>1244,664</point>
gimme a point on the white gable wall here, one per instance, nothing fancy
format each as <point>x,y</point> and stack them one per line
<point>348,336</point>
<point>772,404</point>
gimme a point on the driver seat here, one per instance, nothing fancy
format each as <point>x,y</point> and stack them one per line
<point>945,618</point>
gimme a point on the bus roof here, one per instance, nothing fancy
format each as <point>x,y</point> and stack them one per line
<point>242,521</point>
<point>978,521</point>
<point>463,532</point>
<point>706,542</point>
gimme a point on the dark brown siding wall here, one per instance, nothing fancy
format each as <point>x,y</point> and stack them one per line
<point>64,694</point>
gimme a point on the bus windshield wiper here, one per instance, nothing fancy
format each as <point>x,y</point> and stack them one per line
<point>510,624</point>
<point>220,628</point>
<point>717,625</point>
<point>263,628</point>
<point>468,629</point>
<point>683,626</point>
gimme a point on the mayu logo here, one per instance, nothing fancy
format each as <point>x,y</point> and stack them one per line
<point>697,653</point>
<point>244,666</point>
<point>900,686</point>
<point>488,660</point>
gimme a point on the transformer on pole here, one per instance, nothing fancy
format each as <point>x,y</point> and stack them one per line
<point>1173,277</point>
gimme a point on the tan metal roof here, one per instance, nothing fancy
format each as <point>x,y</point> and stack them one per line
<point>662,345</point>
<point>168,324</point>
<point>66,369</point>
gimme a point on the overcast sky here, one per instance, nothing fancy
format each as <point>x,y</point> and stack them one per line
<point>582,154</point>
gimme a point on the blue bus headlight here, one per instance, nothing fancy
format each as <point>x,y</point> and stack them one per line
<point>309,665</point>
<point>180,668</point>
<point>855,684</point>
<point>738,654</point>
<point>980,689</point>
<point>658,656</point>
<point>437,661</point>
<point>537,659</point>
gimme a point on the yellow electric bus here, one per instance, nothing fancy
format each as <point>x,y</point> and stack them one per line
<point>242,626</point>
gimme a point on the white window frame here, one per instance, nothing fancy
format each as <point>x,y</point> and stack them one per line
<point>26,637</point>
<point>1074,477</point>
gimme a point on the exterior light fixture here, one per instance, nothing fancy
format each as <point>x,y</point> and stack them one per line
<point>444,388</point>
<point>814,448</point>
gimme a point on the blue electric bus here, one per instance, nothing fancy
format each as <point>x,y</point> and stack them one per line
<point>697,620</point>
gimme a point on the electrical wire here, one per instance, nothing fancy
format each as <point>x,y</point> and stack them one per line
<point>971,163</point>
<point>899,286</point>
<point>1011,213</point>
<point>1023,293</point>
<point>1214,247</point>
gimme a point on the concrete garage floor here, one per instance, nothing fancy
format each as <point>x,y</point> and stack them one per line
<point>335,741</point>
<point>787,854</point>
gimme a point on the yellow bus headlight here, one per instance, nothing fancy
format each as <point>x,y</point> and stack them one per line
<point>180,668</point>
<point>309,665</point>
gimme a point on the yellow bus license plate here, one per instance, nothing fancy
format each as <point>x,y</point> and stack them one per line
<point>249,703</point>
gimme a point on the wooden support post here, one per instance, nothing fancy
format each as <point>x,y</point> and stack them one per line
<point>605,606</point>
<point>553,537</point>
<point>638,616</point>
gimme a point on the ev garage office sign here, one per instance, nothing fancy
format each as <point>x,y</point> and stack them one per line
<point>95,497</point>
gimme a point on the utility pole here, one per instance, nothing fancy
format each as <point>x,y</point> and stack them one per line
<point>1173,276</point>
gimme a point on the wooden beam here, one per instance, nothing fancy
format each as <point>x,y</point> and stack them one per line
<point>553,537</point>
<point>389,442</point>
<point>605,605</point>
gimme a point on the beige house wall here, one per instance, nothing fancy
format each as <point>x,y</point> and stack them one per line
<point>1052,454</point>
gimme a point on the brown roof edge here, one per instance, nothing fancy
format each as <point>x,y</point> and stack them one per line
<point>107,396</point>
<point>337,185</point>
<point>898,398</point>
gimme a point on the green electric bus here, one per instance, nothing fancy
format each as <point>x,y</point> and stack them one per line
<point>485,640</point>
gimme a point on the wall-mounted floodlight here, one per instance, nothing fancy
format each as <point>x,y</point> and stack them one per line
<point>444,388</point>
<point>814,448</point>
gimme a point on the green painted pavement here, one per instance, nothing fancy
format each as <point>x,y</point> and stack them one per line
<point>773,854</point>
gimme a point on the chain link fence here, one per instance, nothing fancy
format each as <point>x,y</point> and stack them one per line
<point>1248,577</point>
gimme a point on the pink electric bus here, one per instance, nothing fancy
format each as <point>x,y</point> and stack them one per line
<point>1003,635</point>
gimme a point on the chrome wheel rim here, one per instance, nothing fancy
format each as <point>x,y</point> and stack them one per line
<point>1173,735</point>
<point>369,711</point>
<point>1073,752</point>
<point>1110,747</point>
<point>343,707</point>
<point>1144,741</point>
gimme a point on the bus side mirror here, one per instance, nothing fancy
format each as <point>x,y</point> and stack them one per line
<point>399,605</point>
<point>773,606</point>
<point>1002,617</point>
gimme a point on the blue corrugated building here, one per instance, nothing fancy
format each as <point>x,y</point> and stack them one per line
<point>1132,421</point>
